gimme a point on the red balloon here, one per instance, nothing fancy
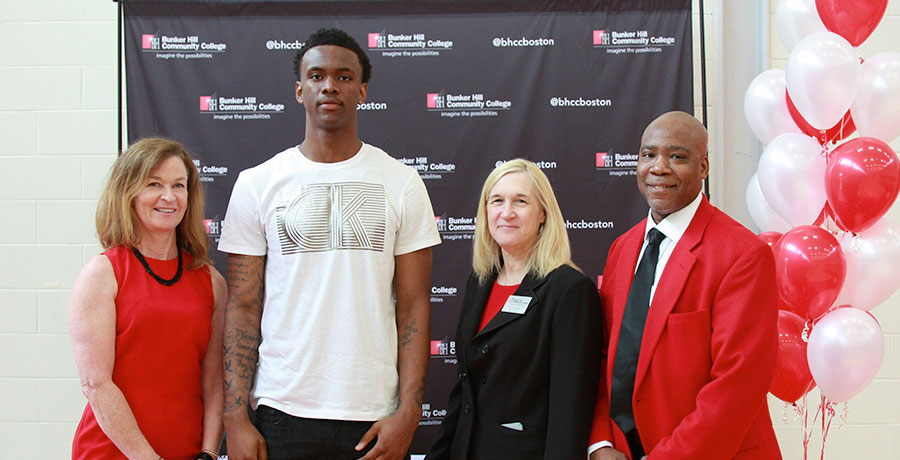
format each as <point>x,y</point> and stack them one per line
<point>783,306</point>
<point>852,19</point>
<point>809,269</point>
<point>770,238</point>
<point>792,377</point>
<point>841,130</point>
<point>862,180</point>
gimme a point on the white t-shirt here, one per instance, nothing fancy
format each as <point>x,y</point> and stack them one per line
<point>329,232</point>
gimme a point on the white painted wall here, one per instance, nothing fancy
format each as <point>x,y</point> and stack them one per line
<point>57,141</point>
<point>58,125</point>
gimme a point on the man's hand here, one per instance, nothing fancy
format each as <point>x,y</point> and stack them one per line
<point>394,434</point>
<point>608,453</point>
<point>245,442</point>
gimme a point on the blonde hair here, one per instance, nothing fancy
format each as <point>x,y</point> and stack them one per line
<point>550,251</point>
<point>116,220</point>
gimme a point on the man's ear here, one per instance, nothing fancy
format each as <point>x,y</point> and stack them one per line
<point>362,92</point>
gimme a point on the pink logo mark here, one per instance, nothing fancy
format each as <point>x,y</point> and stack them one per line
<point>598,37</point>
<point>601,159</point>
<point>147,41</point>
<point>206,223</point>
<point>436,347</point>
<point>432,100</point>
<point>373,40</point>
<point>204,103</point>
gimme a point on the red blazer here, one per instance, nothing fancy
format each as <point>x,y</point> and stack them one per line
<point>709,346</point>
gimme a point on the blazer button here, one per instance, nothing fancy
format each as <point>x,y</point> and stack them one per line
<point>462,375</point>
<point>484,379</point>
<point>467,409</point>
<point>484,349</point>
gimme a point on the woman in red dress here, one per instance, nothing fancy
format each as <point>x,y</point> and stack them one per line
<point>146,316</point>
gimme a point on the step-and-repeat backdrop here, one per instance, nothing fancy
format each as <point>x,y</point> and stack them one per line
<point>457,88</point>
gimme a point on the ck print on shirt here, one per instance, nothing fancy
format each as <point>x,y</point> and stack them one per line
<point>327,217</point>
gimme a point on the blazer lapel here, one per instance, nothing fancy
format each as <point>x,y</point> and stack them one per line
<point>631,248</point>
<point>671,284</point>
<point>477,301</point>
<point>525,289</point>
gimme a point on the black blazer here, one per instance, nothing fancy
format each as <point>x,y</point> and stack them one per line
<point>539,369</point>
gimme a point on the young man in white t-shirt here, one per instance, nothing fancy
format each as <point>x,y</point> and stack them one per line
<point>322,238</point>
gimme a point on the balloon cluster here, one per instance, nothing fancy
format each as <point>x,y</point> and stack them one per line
<point>820,196</point>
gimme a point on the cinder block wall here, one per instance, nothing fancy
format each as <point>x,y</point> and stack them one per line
<point>58,125</point>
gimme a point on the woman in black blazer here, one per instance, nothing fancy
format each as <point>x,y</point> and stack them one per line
<point>529,334</point>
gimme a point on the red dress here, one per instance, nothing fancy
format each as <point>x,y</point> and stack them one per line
<point>161,338</point>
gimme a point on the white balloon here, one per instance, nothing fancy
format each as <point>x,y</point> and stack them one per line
<point>761,211</point>
<point>872,270</point>
<point>876,109</point>
<point>822,76</point>
<point>845,351</point>
<point>795,19</point>
<point>792,177</point>
<point>765,106</point>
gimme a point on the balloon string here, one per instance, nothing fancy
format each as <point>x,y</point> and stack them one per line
<point>844,415</point>
<point>804,424</point>
<point>823,405</point>
<point>821,219</point>
<point>809,434</point>
<point>827,412</point>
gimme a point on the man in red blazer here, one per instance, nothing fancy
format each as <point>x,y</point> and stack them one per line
<point>694,369</point>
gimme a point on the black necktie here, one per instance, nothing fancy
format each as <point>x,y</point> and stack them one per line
<point>629,346</point>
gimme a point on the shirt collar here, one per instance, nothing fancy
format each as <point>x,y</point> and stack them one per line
<point>675,224</point>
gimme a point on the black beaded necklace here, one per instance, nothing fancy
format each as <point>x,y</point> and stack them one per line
<point>159,280</point>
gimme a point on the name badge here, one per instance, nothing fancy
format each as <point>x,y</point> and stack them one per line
<point>516,304</point>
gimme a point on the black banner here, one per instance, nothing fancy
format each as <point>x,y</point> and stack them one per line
<point>457,88</point>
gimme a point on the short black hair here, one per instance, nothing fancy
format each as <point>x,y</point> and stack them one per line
<point>336,37</point>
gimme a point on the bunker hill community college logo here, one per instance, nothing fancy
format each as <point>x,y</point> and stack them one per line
<point>444,350</point>
<point>439,293</point>
<point>209,173</point>
<point>213,229</point>
<point>213,226</point>
<point>180,46</point>
<point>149,42</point>
<point>465,105</point>
<point>455,228</point>
<point>407,44</point>
<point>616,164</point>
<point>430,416</point>
<point>238,108</point>
<point>428,170</point>
<point>631,41</point>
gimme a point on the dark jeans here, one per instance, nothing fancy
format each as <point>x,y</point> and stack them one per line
<point>297,438</point>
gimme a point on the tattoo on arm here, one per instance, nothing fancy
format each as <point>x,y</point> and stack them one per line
<point>420,393</point>
<point>408,331</point>
<point>240,367</point>
<point>242,328</point>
